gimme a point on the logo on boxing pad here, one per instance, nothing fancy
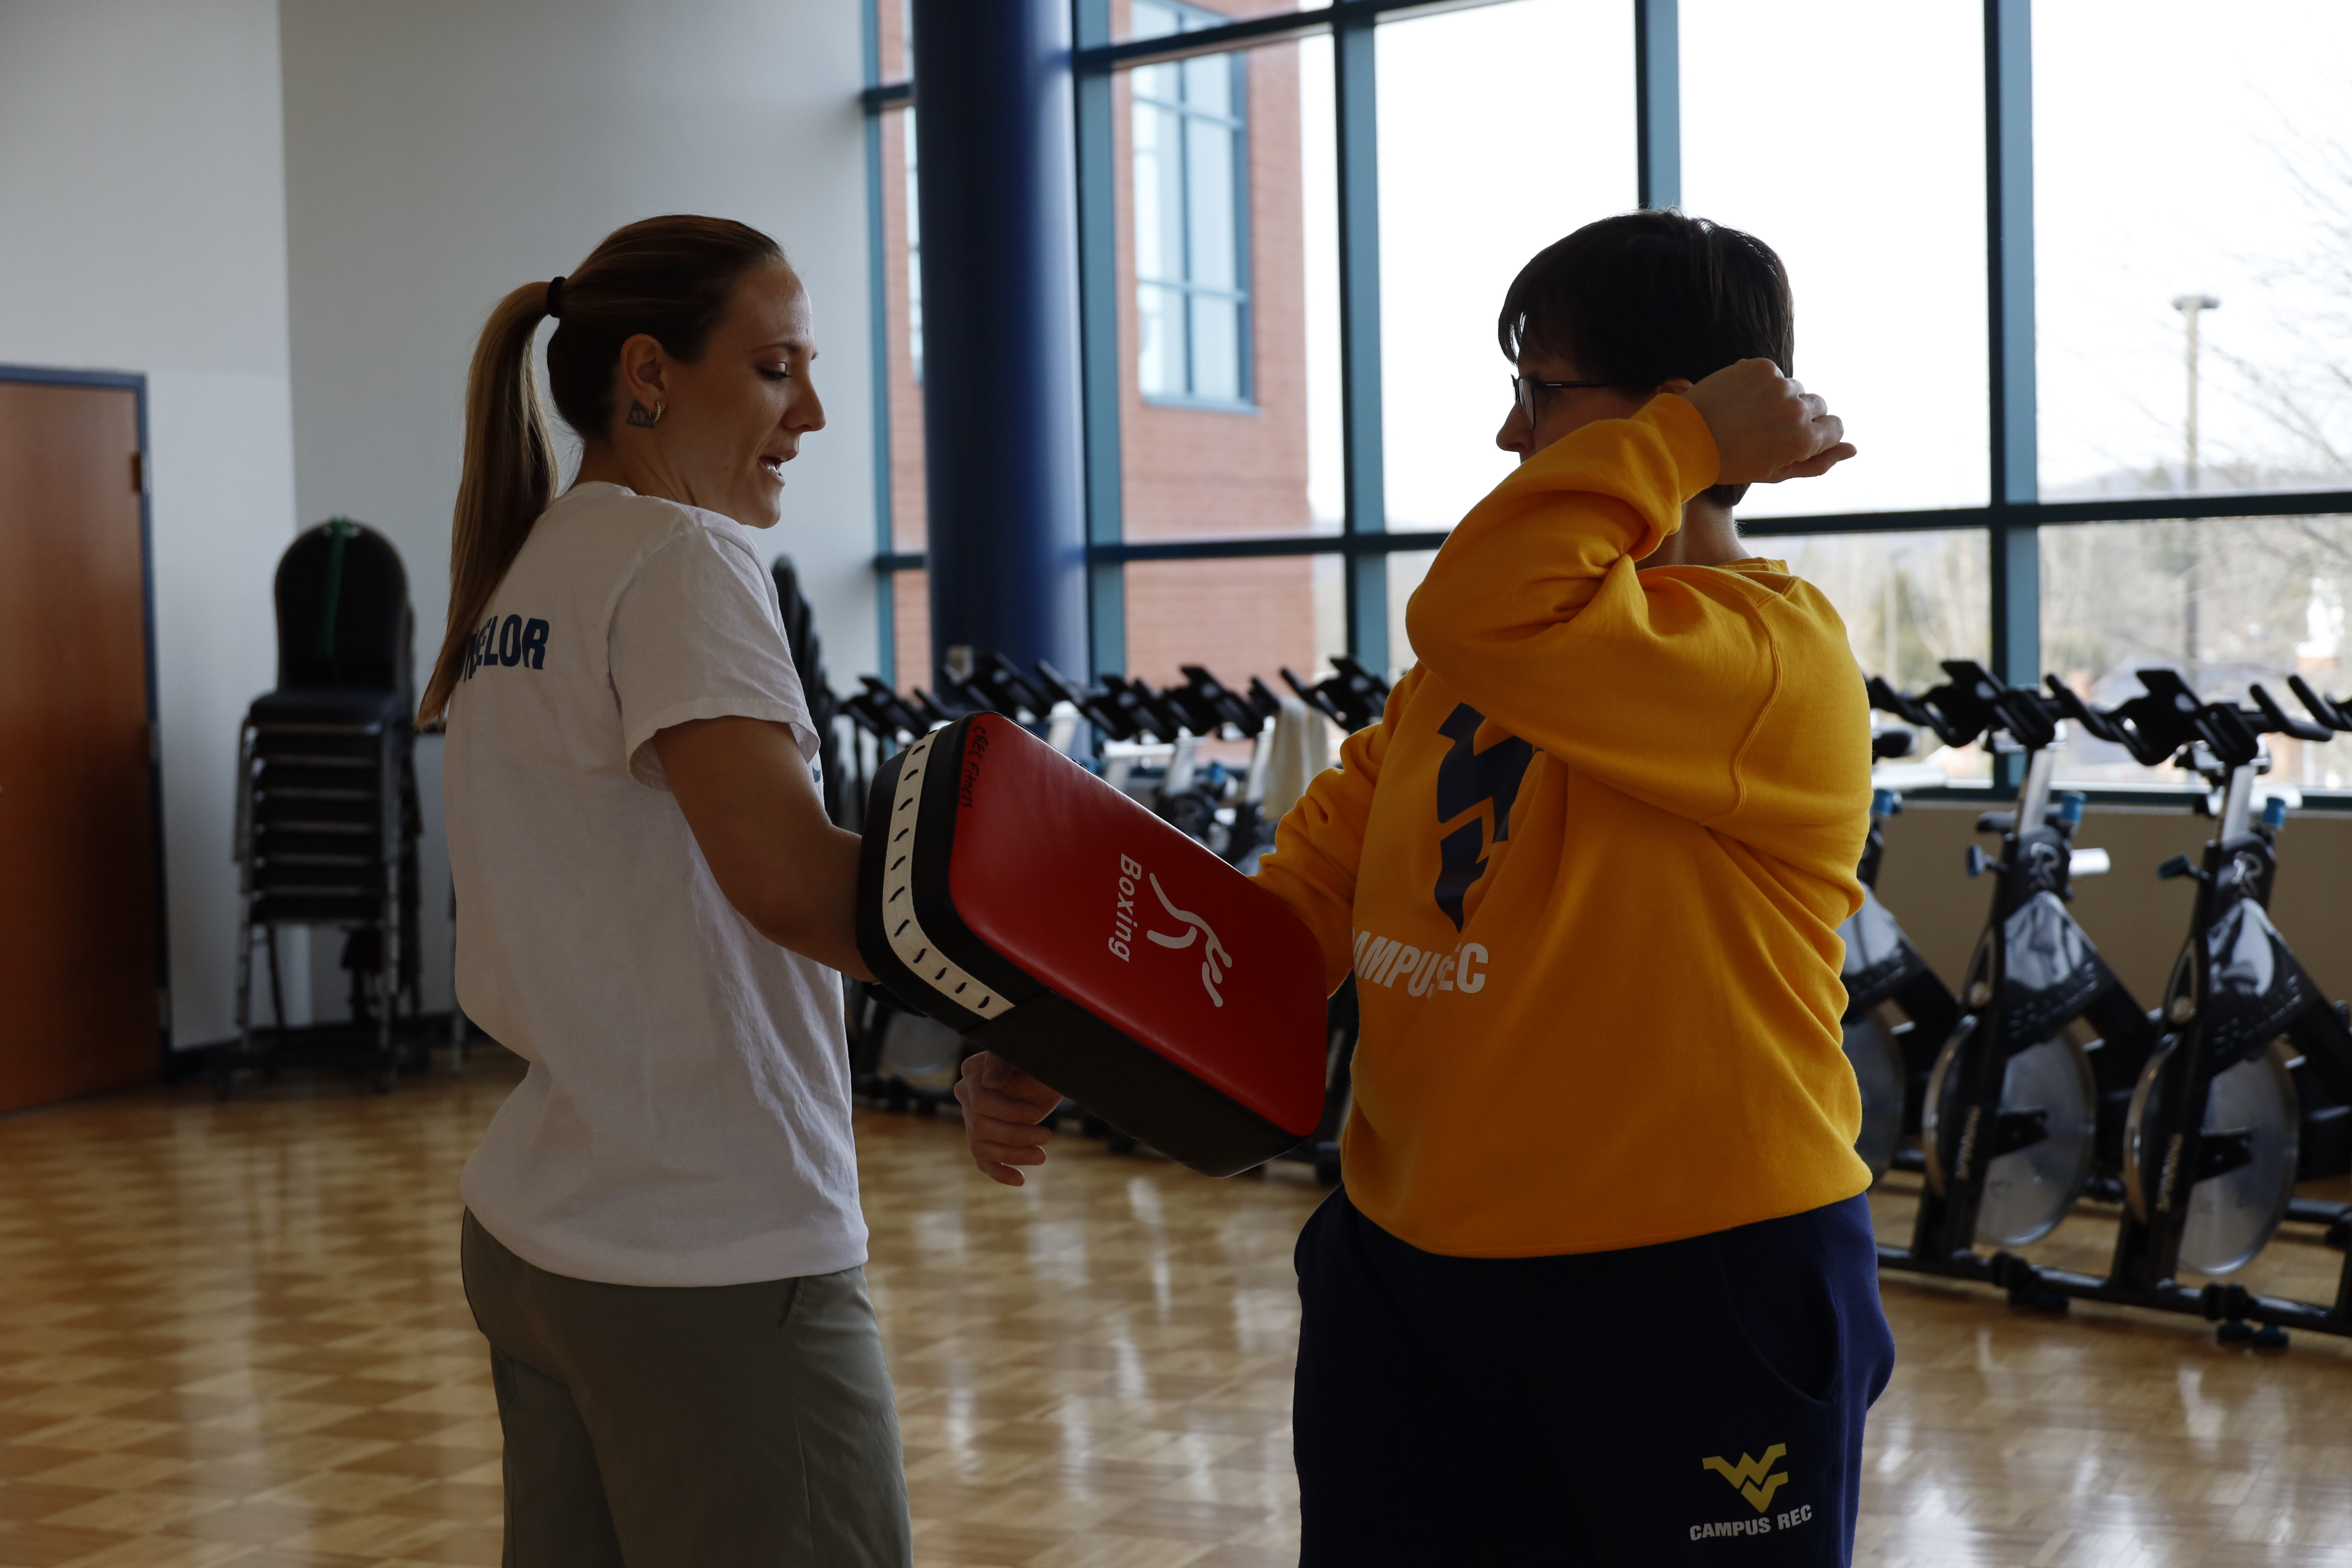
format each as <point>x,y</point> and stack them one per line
<point>1214,959</point>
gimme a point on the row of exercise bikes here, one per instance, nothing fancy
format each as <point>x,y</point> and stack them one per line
<point>2036,1086</point>
<point>2041,1083</point>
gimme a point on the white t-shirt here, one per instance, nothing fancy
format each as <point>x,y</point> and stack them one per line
<point>686,1118</point>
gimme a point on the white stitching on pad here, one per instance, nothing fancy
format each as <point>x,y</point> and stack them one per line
<point>915,949</point>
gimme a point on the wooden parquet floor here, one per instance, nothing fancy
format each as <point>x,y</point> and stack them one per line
<point>236,1335</point>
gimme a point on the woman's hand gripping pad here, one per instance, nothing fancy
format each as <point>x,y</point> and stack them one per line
<point>1007,891</point>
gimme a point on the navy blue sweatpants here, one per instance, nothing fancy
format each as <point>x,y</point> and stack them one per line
<point>1697,1402</point>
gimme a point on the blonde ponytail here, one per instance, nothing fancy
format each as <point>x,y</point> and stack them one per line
<point>508,480</point>
<point>669,278</point>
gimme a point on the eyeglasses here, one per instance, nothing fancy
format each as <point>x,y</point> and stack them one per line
<point>1522,385</point>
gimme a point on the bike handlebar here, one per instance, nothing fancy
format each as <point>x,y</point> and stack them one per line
<point>1208,704</point>
<point>1117,706</point>
<point>1913,711</point>
<point>2151,727</point>
<point>2332,711</point>
<point>2277,721</point>
<point>1008,687</point>
<point>1094,704</point>
<point>1148,708</point>
<point>887,708</point>
<point>1971,703</point>
<point>2168,719</point>
<point>1351,696</point>
<point>1886,743</point>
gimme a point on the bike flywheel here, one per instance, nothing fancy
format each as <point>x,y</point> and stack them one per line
<point>2233,1215</point>
<point>2028,1190</point>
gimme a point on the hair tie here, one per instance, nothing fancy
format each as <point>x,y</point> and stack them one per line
<point>555,298</point>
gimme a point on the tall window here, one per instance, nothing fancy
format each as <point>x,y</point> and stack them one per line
<point>2107,474</point>
<point>1191,229</point>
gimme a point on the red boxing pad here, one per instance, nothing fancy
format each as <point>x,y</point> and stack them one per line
<point>1013,895</point>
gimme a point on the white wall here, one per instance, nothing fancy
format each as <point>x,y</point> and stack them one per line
<point>439,153</point>
<point>142,227</point>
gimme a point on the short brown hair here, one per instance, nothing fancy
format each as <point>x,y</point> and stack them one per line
<point>1649,297</point>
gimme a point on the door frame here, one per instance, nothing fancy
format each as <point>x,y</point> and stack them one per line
<point>135,382</point>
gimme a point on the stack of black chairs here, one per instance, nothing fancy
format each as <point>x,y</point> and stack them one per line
<point>326,815</point>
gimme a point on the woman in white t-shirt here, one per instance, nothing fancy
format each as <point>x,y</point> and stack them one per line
<point>662,1241</point>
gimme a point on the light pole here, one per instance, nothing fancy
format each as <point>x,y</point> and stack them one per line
<point>2191,307</point>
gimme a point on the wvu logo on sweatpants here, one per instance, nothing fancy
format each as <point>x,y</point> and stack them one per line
<point>1754,1481</point>
<point>1750,1475</point>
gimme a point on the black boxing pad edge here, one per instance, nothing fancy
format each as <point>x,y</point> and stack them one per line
<point>1150,1099</point>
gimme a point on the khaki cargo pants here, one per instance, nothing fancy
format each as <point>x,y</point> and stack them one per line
<point>719,1426</point>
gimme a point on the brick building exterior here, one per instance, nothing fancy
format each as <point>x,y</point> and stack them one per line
<point>1189,470</point>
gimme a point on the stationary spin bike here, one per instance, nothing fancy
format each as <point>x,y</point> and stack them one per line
<point>2248,1090</point>
<point>2020,1119</point>
<point>1891,1061</point>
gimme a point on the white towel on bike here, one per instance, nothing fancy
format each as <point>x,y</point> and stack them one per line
<point>1300,748</point>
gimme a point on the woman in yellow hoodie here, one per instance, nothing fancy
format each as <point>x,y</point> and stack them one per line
<point>1599,1287</point>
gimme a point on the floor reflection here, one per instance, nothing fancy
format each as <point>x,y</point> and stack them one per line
<point>235,1335</point>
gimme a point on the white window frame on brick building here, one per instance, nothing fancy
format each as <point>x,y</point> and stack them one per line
<point>1190,171</point>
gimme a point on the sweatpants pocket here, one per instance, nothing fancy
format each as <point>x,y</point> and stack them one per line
<point>1779,1299</point>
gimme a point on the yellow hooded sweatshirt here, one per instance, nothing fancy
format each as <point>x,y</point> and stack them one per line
<point>1589,870</point>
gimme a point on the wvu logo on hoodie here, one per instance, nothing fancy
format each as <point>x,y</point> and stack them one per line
<point>1467,779</point>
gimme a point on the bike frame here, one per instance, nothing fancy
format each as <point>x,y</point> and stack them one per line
<point>2008,1013</point>
<point>2234,989</point>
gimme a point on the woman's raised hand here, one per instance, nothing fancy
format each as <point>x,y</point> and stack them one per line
<point>1766,428</point>
<point>1001,1108</point>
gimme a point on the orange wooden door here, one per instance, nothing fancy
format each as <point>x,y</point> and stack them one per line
<point>78,962</point>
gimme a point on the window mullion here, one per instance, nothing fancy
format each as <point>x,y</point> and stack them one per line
<point>2016,566</point>
<point>878,283</point>
<point>1098,343</point>
<point>1355,63</point>
<point>1657,104</point>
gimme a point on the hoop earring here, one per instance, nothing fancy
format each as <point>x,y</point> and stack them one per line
<point>639,417</point>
